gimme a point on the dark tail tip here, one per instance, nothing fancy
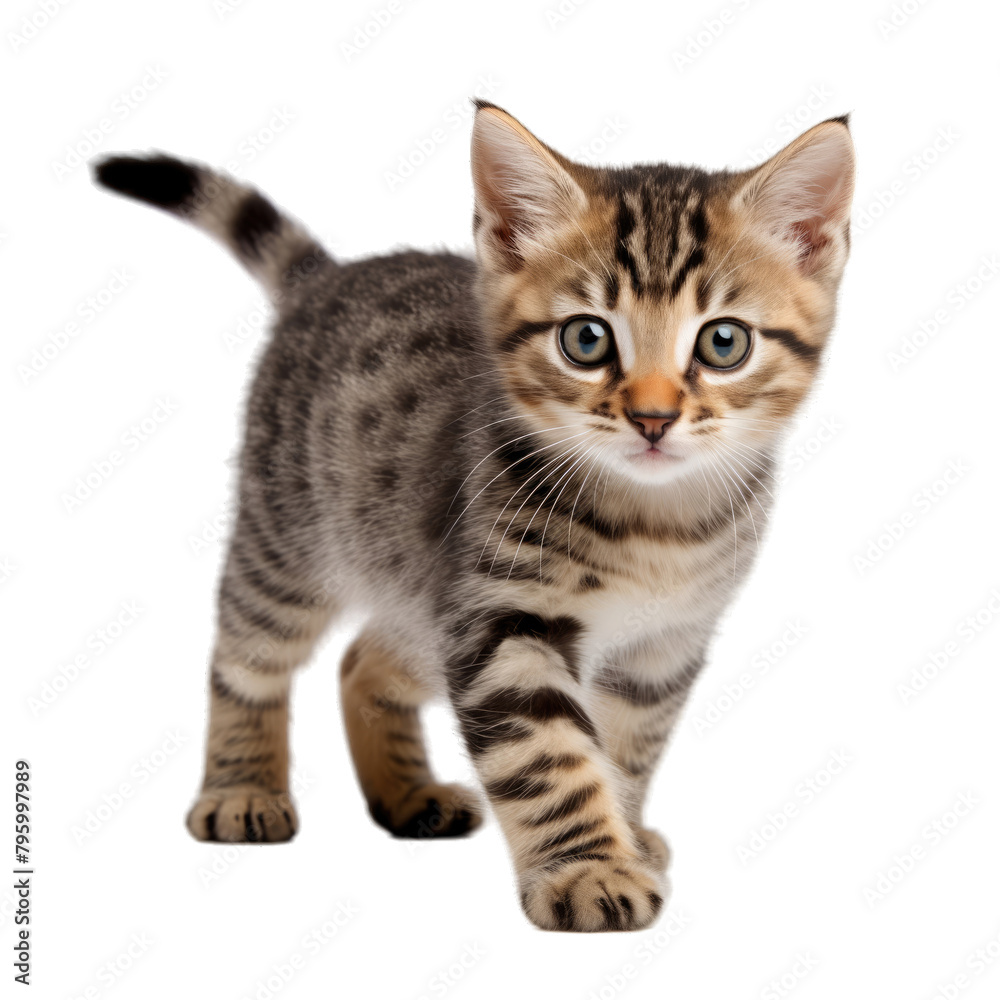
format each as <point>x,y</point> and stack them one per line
<point>157,180</point>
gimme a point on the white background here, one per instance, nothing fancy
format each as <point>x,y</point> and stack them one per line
<point>802,911</point>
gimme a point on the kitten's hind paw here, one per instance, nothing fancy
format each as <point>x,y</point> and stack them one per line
<point>243,814</point>
<point>428,811</point>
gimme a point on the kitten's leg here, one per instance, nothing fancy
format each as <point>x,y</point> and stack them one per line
<point>559,795</point>
<point>380,699</point>
<point>267,627</point>
<point>636,717</point>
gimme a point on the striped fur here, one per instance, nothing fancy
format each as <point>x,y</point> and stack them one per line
<point>418,448</point>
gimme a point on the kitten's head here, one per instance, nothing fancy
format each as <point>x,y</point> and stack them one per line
<point>659,320</point>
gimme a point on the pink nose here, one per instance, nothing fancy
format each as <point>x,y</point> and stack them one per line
<point>652,426</point>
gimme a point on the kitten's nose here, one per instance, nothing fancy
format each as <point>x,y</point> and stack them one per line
<point>652,426</point>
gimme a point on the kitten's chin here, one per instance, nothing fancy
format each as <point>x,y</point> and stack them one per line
<point>653,466</point>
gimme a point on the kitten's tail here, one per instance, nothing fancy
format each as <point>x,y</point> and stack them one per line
<point>274,248</point>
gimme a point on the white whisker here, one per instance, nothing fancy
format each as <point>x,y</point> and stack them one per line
<point>567,476</point>
<point>458,492</point>
<point>586,270</point>
<point>731,472</point>
<point>473,410</point>
<point>565,457</point>
<point>572,513</point>
<point>600,261</point>
<point>520,487</point>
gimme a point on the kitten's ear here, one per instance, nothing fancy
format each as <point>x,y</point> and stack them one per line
<point>524,195</point>
<point>803,195</point>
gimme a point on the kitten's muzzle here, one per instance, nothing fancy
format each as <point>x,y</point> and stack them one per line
<point>652,426</point>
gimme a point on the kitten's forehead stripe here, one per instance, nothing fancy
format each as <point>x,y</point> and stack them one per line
<point>611,290</point>
<point>647,217</point>
<point>624,228</point>
<point>660,220</point>
<point>697,227</point>
<point>703,293</point>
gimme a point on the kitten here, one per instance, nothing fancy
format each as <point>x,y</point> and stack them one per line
<point>540,475</point>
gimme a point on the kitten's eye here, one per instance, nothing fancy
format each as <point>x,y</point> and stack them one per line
<point>587,341</point>
<point>723,343</point>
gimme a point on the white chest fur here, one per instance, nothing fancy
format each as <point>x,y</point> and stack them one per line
<point>665,602</point>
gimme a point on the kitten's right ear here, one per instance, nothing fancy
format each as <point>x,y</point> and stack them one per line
<point>524,196</point>
<point>802,195</point>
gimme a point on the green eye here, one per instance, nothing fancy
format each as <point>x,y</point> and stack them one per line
<point>723,343</point>
<point>587,341</point>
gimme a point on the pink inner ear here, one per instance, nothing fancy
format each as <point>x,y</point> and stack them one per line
<point>805,194</point>
<point>809,235</point>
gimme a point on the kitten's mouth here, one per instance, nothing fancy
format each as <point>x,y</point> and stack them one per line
<point>654,456</point>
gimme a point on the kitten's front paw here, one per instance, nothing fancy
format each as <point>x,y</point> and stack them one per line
<point>611,895</point>
<point>243,814</point>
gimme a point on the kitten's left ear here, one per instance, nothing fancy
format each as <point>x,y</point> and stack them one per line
<point>803,195</point>
<point>524,194</point>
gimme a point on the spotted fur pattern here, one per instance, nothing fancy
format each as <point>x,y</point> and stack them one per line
<point>549,546</point>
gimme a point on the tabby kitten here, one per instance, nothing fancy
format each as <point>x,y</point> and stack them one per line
<point>540,474</point>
